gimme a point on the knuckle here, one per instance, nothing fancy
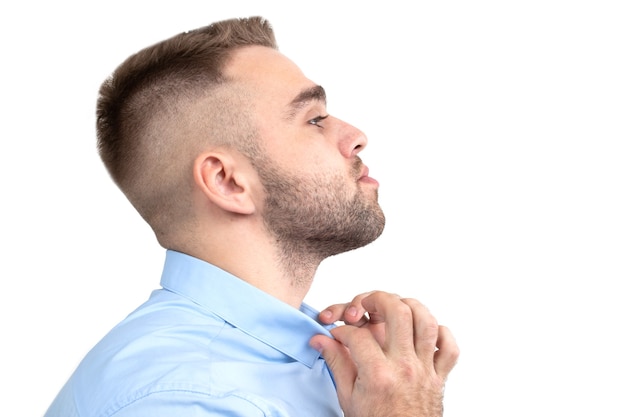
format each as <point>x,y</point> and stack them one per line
<point>385,378</point>
<point>404,313</point>
<point>358,298</point>
<point>430,327</point>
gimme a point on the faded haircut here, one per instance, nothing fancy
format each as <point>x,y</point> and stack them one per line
<point>147,129</point>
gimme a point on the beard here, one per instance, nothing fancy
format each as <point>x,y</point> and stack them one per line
<point>316,216</point>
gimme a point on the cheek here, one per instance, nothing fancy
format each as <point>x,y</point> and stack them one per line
<point>304,161</point>
<point>304,152</point>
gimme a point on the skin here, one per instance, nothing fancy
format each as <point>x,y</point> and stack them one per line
<point>230,197</point>
<point>391,358</point>
<point>394,361</point>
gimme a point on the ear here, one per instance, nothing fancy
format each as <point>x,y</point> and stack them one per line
<point>223,181</point>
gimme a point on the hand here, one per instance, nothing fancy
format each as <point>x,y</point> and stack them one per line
<point>350,313</point>
<point>353,313</point>
<point>392,364</point>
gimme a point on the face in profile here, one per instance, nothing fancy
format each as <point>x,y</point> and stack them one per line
<point>318,192</point>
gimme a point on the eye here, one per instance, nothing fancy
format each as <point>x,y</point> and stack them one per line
<point>315,121</point>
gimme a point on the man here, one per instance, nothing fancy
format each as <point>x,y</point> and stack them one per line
<point>225,148</point>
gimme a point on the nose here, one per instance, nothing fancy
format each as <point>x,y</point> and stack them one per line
<point>351,140</point>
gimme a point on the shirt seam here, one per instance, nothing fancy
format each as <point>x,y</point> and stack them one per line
<point>199,392</point>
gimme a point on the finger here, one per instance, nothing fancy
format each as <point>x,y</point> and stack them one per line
<point>350,313</point>
<point>425,330</point>
<point>362,346</point>
<point>333,313</point>
<point>339,362</point>
<point>447,354</point>
<point>396,316</point>
<point>346,312</point>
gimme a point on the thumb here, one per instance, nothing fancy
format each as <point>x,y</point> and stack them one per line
<point>339,361</point>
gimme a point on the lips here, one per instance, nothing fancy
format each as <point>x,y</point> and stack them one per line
<point>364,177</point>
<point>364,172</point>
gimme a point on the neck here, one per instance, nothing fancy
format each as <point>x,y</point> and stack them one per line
<point>283,272</point>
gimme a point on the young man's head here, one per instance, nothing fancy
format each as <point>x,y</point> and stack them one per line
<point>216,123</point>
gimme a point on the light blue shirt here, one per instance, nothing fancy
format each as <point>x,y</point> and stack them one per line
<point>206,344</point>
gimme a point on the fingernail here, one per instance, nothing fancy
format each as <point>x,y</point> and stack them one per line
<point>317,346</point>
<point>326,314</point>
<point>351,311</point>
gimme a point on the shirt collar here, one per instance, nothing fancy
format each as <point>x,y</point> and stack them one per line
<point>244,306</point>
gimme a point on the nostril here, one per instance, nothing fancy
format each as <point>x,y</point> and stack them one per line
<point>356,149</point>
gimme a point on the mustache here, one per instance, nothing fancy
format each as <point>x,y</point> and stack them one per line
<point>357,167</point>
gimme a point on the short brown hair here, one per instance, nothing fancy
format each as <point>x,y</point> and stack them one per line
<point>143,124</point>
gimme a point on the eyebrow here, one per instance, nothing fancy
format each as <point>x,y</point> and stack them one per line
<point>316,93</point>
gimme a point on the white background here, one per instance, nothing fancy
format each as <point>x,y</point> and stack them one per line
<point>497,130</point>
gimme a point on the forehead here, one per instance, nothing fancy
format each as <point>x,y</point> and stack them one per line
<point>267,74</point>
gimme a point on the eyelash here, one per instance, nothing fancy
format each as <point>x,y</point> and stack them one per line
<point>316,120</point>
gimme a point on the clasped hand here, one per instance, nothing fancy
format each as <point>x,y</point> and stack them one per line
<point>390,359</point>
